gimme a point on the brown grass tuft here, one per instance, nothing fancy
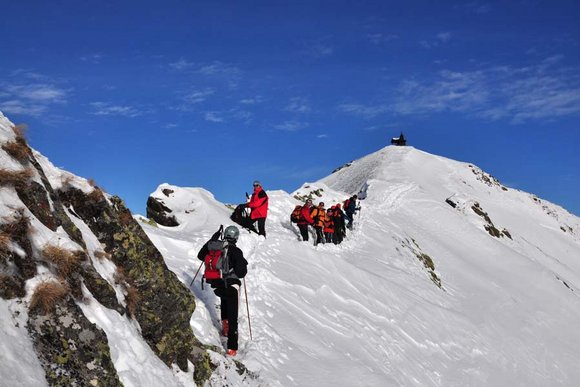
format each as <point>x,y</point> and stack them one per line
<point>120,277</point>
<point>17,150</point>
<point>100,254</point>
<point>66,261</point>
<point>4,243</point>
<point>92,182</point>
<point>132,299</point>
<point>15,178</point>
<point>96,195</point>
<point>47,294</point>
<point>20,131</point>
<point>17,224</point>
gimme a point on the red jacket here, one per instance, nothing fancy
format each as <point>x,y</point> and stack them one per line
<point>305,217</point>
<point>258,203</point>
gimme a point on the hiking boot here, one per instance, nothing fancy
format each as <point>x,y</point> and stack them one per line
<point>231,352</point>
<point>225,327</point>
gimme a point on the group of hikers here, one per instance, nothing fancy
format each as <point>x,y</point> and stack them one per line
<point>225,264</point>
<point>329,224</point>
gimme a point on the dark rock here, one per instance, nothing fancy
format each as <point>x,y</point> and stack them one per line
<point>166,304</point>
<point>167,191</point>
<point>72,350</point>
<point>35,198</point>
<point>157,211</point>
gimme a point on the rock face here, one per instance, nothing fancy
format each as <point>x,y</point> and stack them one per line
<point>71,349</point>
<point>160,213</point>
<point>166,305</point>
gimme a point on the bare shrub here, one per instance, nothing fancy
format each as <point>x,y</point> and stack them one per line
<point>20,131</point>
<point>17,150</point>
<point>47,294</point>
<point>92,182</point>
<point>100,254</point>
<point>96,195</point>
<point>67,180</point>
<point>66,261</point>
<point>132,299</point>
<point>15,178</point>
<point>120,277</point>
<point>17,224</point>
<point>4,243</point>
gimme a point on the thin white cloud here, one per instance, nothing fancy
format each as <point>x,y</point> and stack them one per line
<point>291,126</point>
<point>198,96</point>
<point>93,58</point>
<point>20,107</point>
<point>28,97</point>
<point>213,117</point>
<point>382,38</point>
<point>516,94</point>
<point>324,135</point>
<point>298,105</point>
<point>181,64</point>
<point>444,36</point>
<point>37,92</point>
<point>475,7</point>
<point>218,68</point>
<point>252,101</point>
<point>108,109</point>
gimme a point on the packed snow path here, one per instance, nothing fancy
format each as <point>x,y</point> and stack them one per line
<point>367,312</point>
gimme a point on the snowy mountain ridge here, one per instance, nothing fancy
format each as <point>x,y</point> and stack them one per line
<point>481,289</point>
<point>422,292</point>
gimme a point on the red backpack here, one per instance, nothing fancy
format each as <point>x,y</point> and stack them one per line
<point>346,203</point>
<point>216,264</point>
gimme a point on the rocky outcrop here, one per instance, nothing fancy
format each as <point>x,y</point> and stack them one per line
<point>72,350</point>
<point>166,305</point>
<point>160,213</point>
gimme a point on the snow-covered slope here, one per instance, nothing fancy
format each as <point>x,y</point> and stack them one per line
<point>420,293</point>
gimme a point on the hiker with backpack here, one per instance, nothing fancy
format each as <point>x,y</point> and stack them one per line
<point>339,224</point>
<point>350,208</point>
<point>305,219</point>
<point>318,214</point>
<point>258,204</point>
<point>225,265</point>
<point>329,226</point>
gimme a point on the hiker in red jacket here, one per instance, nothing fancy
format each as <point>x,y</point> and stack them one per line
<point>305,220</point>
<point>259,205</point>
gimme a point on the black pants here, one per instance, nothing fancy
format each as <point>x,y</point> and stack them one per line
<point>303,231</point>
<point>261,226</point>
<point>229,311</point>
<point>319,235</point>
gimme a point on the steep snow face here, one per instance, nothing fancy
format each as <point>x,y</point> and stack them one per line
<point>419,294</point>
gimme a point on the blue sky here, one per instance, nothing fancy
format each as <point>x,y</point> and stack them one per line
<point>217,93</point>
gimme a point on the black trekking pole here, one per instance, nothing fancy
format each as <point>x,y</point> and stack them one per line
<point>248,309</point>
<point>196,273</point>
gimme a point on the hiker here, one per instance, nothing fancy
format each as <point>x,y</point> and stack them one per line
<point>318,214</point>
<point>339,229</point>
<point>228,287</point>
<point>329,226</point>
<point>305,220</point>
<point>259,205</point>
<point>350,208</point>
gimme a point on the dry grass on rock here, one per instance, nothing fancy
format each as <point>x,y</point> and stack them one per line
<point>15,178</point>
<point>17,150</point>
<point>47,294</point>
<point>65,261</point>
